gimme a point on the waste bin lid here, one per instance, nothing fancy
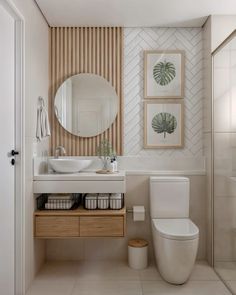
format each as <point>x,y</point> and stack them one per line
<point>138,243</point>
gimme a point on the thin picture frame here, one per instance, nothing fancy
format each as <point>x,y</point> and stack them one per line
<point>180,124</point>
<point>178,91</point>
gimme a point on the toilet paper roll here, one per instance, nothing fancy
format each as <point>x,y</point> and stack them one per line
<point>138,213</point>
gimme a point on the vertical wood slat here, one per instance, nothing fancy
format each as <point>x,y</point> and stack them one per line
<point>77,50</point>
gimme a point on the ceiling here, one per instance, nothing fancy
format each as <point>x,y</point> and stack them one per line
<point>133,13</point>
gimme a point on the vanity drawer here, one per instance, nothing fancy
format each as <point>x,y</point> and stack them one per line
<point>102,226</point>
<point>56,226</point>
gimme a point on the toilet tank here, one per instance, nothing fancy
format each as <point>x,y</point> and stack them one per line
<point>169,197</point>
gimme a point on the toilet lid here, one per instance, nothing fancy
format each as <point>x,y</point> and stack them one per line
<point>176,229</point>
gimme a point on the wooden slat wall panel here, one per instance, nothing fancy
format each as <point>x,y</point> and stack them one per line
<point>96,50</point>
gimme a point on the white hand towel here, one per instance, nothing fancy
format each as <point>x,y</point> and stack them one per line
<point>43,128</point>
<point>45,123</point>
<point>38,126</point>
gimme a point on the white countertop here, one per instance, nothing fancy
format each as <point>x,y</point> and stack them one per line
<point>85,176</point>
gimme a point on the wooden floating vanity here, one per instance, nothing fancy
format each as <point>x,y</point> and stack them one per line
<point>79,223</point>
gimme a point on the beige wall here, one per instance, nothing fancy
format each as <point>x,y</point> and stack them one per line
<point>108,248</point>
<point>36,84</point>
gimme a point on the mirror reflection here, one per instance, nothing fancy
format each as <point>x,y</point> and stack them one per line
<point>86,105</point>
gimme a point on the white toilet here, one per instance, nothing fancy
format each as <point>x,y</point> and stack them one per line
<point>175,236</point>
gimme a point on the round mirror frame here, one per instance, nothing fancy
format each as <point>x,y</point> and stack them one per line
<point>96,101</point>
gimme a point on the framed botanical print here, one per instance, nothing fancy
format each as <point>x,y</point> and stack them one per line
<point>164,74</point>
<point>163,124</point>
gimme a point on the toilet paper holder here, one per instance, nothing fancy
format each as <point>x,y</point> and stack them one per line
<point>138,213</point>
<point>131,210</point>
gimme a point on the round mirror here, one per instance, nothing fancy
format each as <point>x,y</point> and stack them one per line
<point>86,105</point>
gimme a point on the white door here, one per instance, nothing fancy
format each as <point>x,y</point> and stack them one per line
<point>7,143</point>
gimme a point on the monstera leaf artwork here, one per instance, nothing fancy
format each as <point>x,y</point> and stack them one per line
<point>164,123</point>
<point>164,72</point>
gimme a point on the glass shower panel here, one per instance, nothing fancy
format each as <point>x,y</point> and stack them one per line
<point>224,162</point>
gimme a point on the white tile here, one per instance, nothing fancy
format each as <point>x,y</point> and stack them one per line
<point>190,288</point>
<point>57,272</point>
<point>137,40</point>
<point>226,270</point>
<point>108,288</point>
<point>232,286</point>
<point>105,271</point>
<point>150,274</point>
<point>50,288</point>
<point>203,272</point>
<point>116,278</point>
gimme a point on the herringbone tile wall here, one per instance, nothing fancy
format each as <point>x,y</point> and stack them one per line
<point>135,41</point>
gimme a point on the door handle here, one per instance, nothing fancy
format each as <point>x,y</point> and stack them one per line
<point>13,153</point>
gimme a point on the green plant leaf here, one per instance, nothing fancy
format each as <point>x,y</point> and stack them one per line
<point>105,149</point>
<point>164,123</point>
<point>164,72</point>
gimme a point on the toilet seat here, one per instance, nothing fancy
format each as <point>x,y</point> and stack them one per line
<point>176,229</point>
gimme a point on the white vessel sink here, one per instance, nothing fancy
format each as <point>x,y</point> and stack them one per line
<point>68,165</point>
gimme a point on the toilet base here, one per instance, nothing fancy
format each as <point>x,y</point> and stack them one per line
<point>175,258</point>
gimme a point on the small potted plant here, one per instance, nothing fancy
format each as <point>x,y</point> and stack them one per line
<point>105,152</point>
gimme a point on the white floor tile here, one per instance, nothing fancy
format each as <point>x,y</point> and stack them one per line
<point>150,274</point>
<point>116,278</point>
<point>203,272</point>
<point>108,288</point>
<point>232,286</point>
<point>226,270</point>
<point>190,288</point>
<point>58,272</point>
<point>53,288</point>
<point>106,270</point>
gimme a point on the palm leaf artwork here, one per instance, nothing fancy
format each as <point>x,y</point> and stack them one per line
<point>164,123</point>
<point>164,72</point>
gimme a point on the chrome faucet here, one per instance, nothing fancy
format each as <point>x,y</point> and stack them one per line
<point>60,149</point>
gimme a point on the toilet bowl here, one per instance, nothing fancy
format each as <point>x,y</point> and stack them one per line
<point>175,236</point>
<point>175,246</point>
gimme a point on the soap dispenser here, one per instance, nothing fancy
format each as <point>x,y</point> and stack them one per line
<point>114,164</point>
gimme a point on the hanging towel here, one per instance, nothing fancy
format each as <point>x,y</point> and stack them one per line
<point>42,128</point>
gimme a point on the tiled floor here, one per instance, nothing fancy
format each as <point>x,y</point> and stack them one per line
<point>116,278</point>
<point>227,271</point>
